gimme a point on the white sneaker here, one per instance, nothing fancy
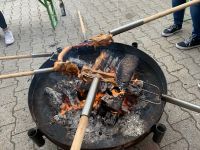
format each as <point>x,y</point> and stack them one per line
<point>9,39</point>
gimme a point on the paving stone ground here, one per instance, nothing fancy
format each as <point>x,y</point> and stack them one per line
<point>30,24</point>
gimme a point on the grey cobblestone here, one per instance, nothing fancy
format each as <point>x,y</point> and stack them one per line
<point>170,63</point>
<point>23,83</point>
<point>195,115</point>
<point>175,89</point>
<point>175,113</point>
<point>7,83</point>
<point>176,53</point>
<point>195,90</point>
<point>189,131</point>
<point>7,95</point>
<point>22,99</point>
<point>23,121</point>
<point>190,65</point>
<point>157,51</point>
<point>48,145</point>
<point>163,43</point>
<point>185,77</point>
<point>175,40</point>
<point>22,141</point>
<point>171,135</point>
<point>170,78</point>
<point>9,66</point>
<point>179,145</point>
<point>197,76</point>
<point>194,53</point>
<point>6,114</point>
<point>5,135</point>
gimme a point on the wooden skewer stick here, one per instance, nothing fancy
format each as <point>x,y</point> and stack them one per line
<point>86,71</point>
<point>82,25</point>
<point>26,56</point>
<point>26,73</point>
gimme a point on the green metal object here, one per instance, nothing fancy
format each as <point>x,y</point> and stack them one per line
<point>48,4</point>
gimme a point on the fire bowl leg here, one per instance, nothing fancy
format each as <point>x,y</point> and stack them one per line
<point>159,131</point>
<point>35,135</point>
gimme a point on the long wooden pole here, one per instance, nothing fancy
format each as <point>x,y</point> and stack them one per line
<point>171,10</point>
<point>26,73</point>
<point>82,25</point>
<point>25,56</point>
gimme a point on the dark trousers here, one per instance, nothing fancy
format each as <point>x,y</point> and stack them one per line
<point>3,24</point>
<point>195,14</point>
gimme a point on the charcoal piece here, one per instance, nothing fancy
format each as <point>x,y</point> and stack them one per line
<point>114,61</point>
<point>126,69</point>
<point>131,99</point>
<point>102,110</point>
<point>105,86</point>
<point>113,103</point>
<point>83,85</point>
<point>68,88</point>
<point>134,89</point>
<point>108,64</point>
<point>55,97</point>
<point>110,119</point>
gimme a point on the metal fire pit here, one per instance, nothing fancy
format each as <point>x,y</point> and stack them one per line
<point>42,114</point>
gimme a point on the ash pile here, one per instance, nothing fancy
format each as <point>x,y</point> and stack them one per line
<point>113,111</point>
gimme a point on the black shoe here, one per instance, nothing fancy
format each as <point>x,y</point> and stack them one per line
<point>171,30</point>
<point>192,42</point>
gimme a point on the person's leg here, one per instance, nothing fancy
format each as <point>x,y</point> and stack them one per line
<point>195,13</point>
<point>194,40</point>
<point>3,24</point>
<point>178,20</point>
<point>179,15</point>
<point>9,39</point>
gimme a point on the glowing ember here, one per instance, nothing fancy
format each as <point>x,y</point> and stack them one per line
<point>66,106</point>
<point>116,93</point>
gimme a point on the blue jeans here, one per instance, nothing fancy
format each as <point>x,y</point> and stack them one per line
<point>195,14</point>
<point>3,24</point>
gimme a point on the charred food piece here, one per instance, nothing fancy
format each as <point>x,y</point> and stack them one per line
<point>125,70</point>
<point>67,68</point>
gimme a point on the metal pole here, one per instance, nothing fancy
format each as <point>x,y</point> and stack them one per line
<point>181,103</point>
<point>126,27</point>
<point>90,97</point>
<point>43,70</point>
